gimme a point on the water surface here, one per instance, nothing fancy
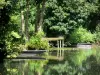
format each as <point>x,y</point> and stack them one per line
<point>72,62</point>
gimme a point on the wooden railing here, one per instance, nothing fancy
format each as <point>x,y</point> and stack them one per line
<point>60,44</point>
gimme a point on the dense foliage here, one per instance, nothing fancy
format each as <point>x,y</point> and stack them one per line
<point>36,42</point>
<point>62,17</point>
<point>81,35</point>
<point>21,19</point>
<point>10,40</point>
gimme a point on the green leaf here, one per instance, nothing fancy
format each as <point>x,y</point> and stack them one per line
<point>15,34</point>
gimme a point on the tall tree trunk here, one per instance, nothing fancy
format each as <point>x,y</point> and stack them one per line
<point>22,19</point>
<point>22,23</point>
<point>26,26</point>
<point>39,16</point>
<point>42,16</point>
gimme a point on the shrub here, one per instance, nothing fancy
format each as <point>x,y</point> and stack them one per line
<point>13,44</point>
<point>81,35</point>
<point>36,42</point>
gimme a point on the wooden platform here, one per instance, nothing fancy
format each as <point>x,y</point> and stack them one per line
<point>30,54</point>
<point>34,51</point>
<point>53,39</point>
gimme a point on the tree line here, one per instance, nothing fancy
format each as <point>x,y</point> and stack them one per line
<point>22,19</point>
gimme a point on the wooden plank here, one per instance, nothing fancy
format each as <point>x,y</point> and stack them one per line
<point>53,39</point>
<point>25,56</point>
<point>34,51</point>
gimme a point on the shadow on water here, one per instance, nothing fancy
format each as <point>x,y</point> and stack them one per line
<point>2,69</point>
<point>78,62</point>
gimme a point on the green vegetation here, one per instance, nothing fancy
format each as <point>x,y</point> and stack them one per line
<point>36,42</point>
<point>81,35</point>
<point>23,24</point>
<point>22,20</point>
<point>62,17</point>
<point>10,40</point>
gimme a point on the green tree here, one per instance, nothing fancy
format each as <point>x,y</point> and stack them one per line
<point>62,17</point>
<point>4,20</point>
<point>10,39</point>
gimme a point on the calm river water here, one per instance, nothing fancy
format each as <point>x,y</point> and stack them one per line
<point>73,62</point>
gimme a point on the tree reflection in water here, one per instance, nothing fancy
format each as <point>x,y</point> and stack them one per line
<point>76,63</point>
<point>28,67</point>
<point>84,62</point>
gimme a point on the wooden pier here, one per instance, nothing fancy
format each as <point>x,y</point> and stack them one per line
<point>34,54</point>
<point>60,44</point>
